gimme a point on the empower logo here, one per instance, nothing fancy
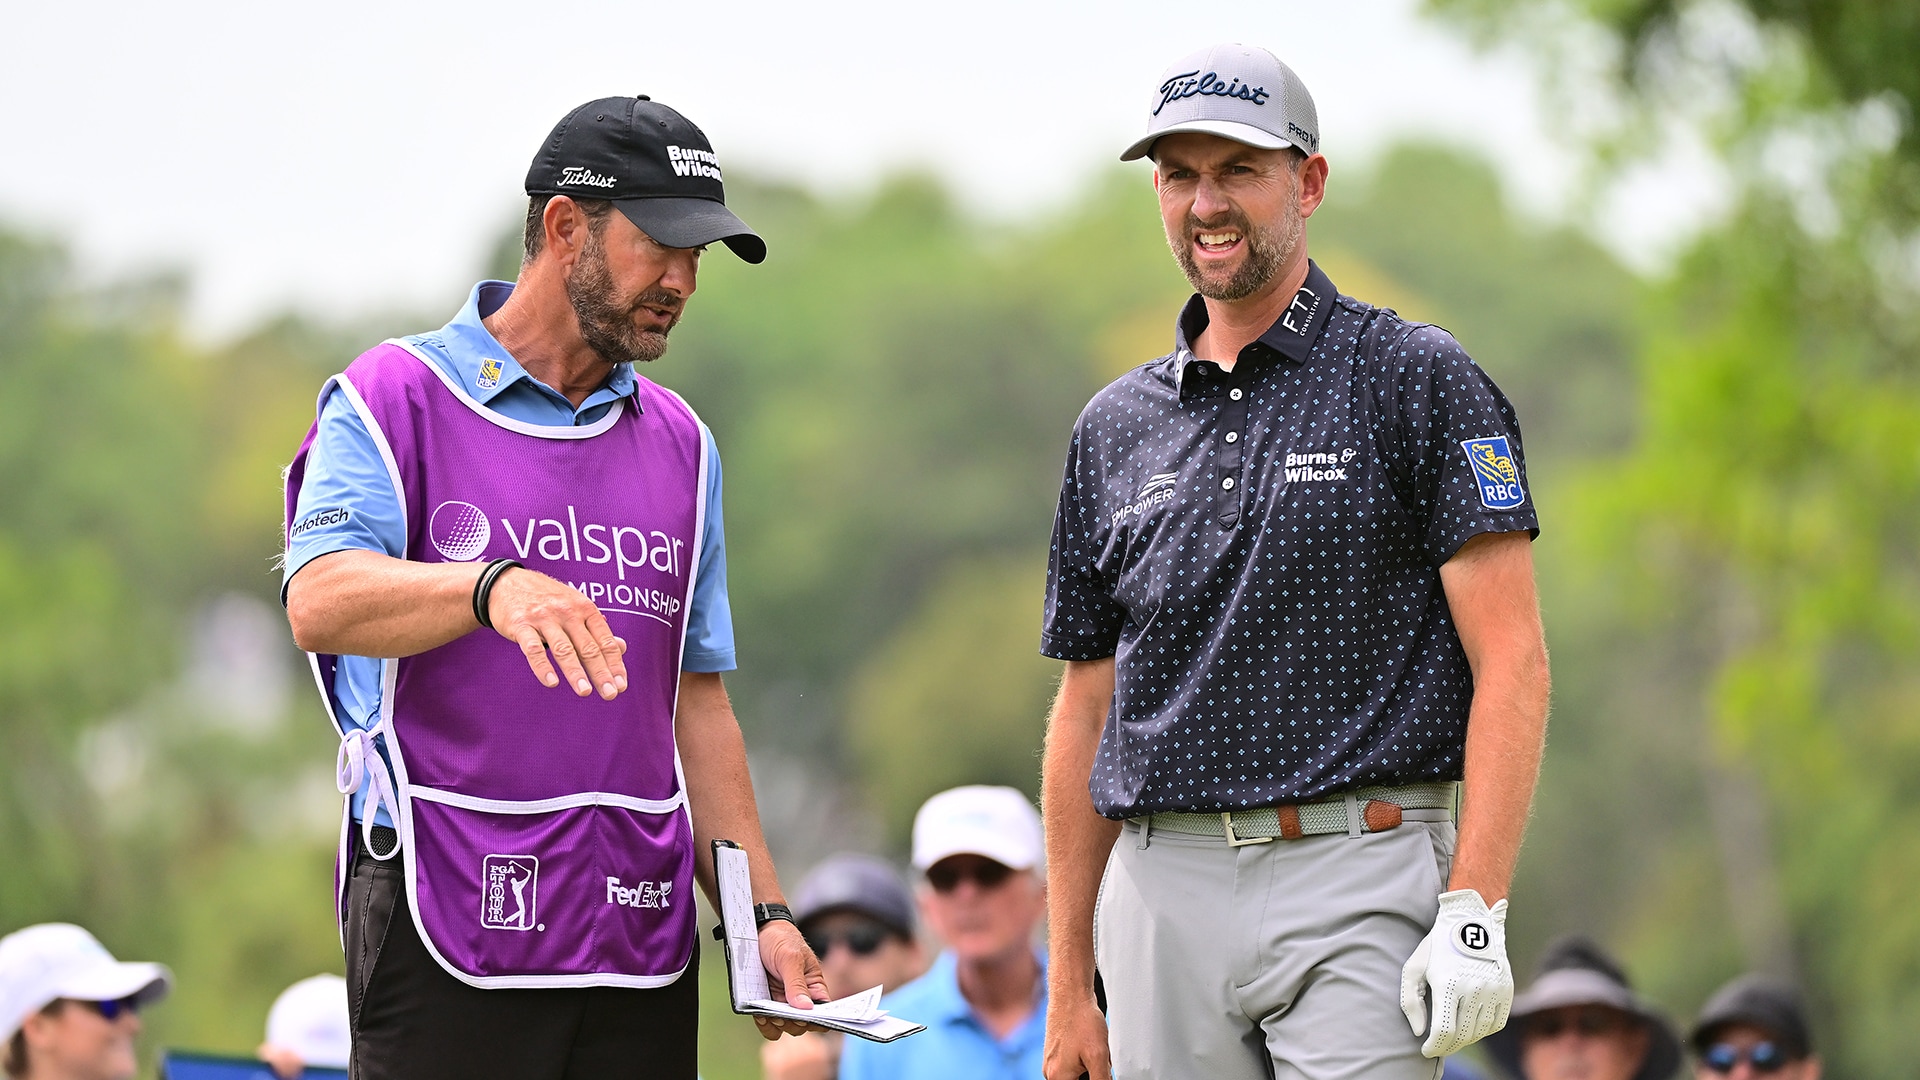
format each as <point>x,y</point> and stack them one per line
<point>1158,489</point>
<point>508,892</point>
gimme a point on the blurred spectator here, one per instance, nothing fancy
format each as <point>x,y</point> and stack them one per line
<point>1754,1026</point>
<point>984,1001</point>
<point>308,1026</point>
<point>1580,1020</point>
<point>857,916</point>
<point>68,1009</point>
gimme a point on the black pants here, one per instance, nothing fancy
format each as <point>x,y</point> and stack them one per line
<point>413,1021</point>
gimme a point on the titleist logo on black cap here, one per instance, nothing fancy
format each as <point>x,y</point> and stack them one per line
<point>579,174</point>
<point>1185,85</point>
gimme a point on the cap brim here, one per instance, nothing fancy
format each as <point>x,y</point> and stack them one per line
<point>985,843</point>
<point>684,222</point>
<point>1226,129</point>
<point>115,981</point>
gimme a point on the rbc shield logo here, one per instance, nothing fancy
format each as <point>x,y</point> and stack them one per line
<point>489,376</point>
<point>507,891</point>
<point>1495,471</point>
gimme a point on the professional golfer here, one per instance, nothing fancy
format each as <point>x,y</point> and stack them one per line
<point>1292,578</point>
<point>530,533</point>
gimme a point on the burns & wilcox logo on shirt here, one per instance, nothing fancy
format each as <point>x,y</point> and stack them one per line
<point>1158,489</point>
<point>1328,466</point>
<point>489,376</point>
<point>508,885</point>
<point>1495,471</point>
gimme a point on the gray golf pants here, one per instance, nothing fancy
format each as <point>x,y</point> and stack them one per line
<point>1276,960</point>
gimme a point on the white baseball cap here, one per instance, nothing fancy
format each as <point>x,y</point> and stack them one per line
<point>996,822</point>
<point>310,1019</point>
<point>1238,92</point>
<point>42,964</point>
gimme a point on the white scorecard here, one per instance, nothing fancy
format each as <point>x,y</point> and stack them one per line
<point>857,1014</point>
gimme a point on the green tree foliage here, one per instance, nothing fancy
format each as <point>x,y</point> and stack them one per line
<point>1750,560</point>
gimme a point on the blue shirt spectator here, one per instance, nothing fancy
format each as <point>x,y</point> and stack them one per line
<point>956,1045</point>
<point>345,471</point>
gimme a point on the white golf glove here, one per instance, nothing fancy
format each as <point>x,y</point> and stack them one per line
<point>1462,968</point>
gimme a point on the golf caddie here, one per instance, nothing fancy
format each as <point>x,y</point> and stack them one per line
<point>1291,576</point>
<point>505,556</point>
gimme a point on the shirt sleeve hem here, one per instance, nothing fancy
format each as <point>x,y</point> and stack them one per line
<point>708,662</point>
<point>1455,541</point>
<point>1073,648</point>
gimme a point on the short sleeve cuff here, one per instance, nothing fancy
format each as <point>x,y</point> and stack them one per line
<point>1450,544</point>
<point>1075,648</point>
<point>708,661</point>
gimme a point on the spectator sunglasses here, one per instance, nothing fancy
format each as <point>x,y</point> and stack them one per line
<point>1765,1057</point>
<point>863,938</point>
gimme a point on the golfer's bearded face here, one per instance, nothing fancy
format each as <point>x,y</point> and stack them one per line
<point>1232,213</point>
<point>622,328</point>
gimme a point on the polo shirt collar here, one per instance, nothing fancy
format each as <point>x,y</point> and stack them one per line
<point>486,368</point>
<point>948,1005</point>
<point>1291,336</point>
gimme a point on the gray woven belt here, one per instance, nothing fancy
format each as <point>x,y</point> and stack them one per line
<point>1373,809</point>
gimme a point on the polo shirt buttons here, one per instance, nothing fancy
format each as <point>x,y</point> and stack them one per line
<point>1234,393</point>
<point>1227,483</point>
<point>1233,436</point>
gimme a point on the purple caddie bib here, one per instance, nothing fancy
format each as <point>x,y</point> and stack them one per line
<point>545,837</point>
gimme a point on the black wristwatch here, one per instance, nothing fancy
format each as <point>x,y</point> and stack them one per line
<point>766,913</point>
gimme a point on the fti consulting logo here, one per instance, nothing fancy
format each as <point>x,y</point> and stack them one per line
<point>507,892</point>
<point>1495,471</point>
<point>459,531</point>
<point>489,376</point>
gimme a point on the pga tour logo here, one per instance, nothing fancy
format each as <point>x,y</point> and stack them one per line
<point>1495,472</point>
<point>507,892</point>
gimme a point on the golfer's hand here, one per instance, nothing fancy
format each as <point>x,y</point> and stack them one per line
<point>1461,970</point>
<point>1076,1042</point>
<point>793,975</point>
<point>544,616</point>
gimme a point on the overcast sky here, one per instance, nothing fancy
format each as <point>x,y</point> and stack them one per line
<point>353,156</point>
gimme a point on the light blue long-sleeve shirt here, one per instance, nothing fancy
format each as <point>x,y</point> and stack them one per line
<point>345,471</point>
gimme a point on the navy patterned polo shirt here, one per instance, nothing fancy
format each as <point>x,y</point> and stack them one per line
<point>1259,551</point>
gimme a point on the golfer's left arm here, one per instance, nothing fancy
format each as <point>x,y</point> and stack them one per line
<point>1490,591</point>
<point>713,756</point>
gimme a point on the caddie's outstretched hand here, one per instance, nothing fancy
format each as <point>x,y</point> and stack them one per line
<point>1076,1042</point>
<point>1461,971</point>
<point>542,616</point>
<point>794,976</point>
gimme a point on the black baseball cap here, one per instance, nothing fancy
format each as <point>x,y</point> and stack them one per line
<point>649,161</point>
<point>1769,1004</point>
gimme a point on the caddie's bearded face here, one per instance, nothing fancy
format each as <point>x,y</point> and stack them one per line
<point>628,290</point>
<point>1232,212</point>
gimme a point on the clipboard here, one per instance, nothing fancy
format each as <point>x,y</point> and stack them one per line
<point>178,1065</point>
<point>859,1014</point>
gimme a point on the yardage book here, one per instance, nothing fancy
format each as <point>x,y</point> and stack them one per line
<point>859,1014</point>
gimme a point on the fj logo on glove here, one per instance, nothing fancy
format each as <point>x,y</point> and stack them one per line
<point>1474,936</point>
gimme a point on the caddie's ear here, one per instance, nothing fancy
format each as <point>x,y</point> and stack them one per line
<point>567,228</point>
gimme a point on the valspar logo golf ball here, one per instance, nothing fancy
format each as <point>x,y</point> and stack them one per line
<point>459,531</point>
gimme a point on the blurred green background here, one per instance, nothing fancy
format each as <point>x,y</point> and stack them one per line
<point>1725,453</point>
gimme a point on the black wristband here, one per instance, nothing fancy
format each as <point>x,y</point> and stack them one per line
<point>483,588</point>
<point>766,913</point>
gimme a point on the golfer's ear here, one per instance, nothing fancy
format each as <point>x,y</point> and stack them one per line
<point>566,227</point>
